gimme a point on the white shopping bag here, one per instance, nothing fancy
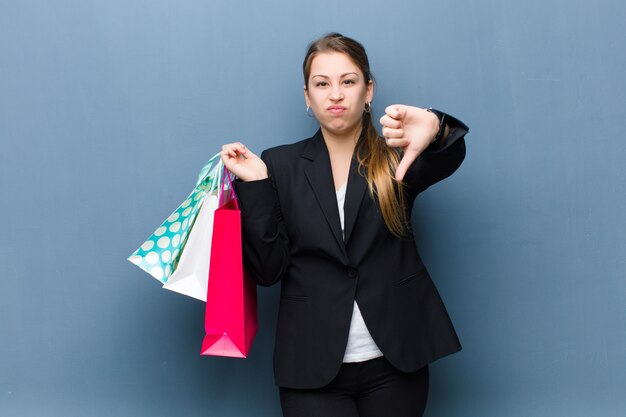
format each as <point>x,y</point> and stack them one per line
<point>191,276</point>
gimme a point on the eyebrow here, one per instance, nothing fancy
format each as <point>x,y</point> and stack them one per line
<point>342,75</point>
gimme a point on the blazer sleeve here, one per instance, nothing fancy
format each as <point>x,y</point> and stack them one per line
<point>438,162</point>
<point>265,242</point>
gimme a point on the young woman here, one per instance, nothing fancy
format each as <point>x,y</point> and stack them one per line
<point>329,217</point>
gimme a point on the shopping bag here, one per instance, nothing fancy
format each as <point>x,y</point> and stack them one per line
<point>192,271</point>
<point>231,320</point>
<point>159,255</point>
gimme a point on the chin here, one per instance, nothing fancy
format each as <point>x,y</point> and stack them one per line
<point>340,128</point>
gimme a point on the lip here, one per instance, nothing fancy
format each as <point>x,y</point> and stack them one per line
<point>336,109</point>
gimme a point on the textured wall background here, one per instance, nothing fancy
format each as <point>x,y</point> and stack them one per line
<point>108,109</point>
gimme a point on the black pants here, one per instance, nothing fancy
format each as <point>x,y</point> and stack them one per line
<point>372,388</point>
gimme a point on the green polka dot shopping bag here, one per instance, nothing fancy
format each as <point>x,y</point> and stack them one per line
<point>178,252</point>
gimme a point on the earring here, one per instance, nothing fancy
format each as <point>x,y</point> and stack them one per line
<point>307,111</point>
<point>368,107</point>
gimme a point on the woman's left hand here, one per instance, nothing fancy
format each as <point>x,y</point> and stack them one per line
<point>411,129</point>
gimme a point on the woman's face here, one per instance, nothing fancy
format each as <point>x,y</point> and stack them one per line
<point>337,93</point>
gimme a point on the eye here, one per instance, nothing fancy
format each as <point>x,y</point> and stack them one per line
<point>321,84</point>
<point>349,81</point>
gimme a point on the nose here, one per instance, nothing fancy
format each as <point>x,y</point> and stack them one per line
<point>336,94</point>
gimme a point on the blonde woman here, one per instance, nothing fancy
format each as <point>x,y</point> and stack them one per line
<point>329,218</point>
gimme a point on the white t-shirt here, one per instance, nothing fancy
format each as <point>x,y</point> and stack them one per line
<point>361,347</point>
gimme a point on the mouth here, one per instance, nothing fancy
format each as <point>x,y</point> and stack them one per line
<point>336,109</point>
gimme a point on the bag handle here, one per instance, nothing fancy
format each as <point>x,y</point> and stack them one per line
<point>226,173</point>
<point>208,168</point>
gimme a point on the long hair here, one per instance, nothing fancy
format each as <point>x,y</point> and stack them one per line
<point>377,161</point>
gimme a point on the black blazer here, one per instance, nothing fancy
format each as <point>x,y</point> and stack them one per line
<point>292,234</point>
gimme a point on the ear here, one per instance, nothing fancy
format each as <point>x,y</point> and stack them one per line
<point>369,94</point>
<point>306,97</point>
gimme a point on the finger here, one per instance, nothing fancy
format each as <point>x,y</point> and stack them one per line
<point>234,149</point>
<point>392,133</point>
<point>397,143</point>
<point>231,158</point>
<point>396,111</point>
<point>236,145</point>
<point>245,153</point>
<point>226,157</point>
<point>388,121</point>
<point>230,153</point>
<point>249,154</point>
<point>409,157</point>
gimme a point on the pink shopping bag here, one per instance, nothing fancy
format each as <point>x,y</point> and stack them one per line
<point>231,320</point>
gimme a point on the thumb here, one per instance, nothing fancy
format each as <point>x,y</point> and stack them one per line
<point>249,154</point>
<point>410,155</point>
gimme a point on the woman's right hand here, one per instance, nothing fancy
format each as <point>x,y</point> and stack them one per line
<point>242,162</point>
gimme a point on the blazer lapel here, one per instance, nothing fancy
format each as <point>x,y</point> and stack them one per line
<point>320,177</point>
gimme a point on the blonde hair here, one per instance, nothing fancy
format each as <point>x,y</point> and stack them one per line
<point>377,161</point>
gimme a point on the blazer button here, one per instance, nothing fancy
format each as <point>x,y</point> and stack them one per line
<point>352,273</point>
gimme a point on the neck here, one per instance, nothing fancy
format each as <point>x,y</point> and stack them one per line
<point>341,144</point>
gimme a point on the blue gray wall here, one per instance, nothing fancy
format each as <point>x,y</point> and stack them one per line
<point>108,109</point>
